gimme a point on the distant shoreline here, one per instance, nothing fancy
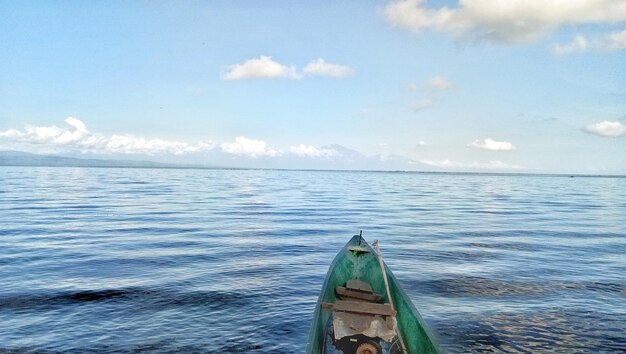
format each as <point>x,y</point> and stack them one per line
<point>184,167</point>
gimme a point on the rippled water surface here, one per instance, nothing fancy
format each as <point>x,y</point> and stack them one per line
<point>166,260</point>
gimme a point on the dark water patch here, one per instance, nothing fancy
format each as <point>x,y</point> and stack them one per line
<point>89,295</point>
<point>34,207</point>
<point>160,212</point>
<point>131,182</point>
<point>80,207</point>
<point>618,289</point>
<point>475,286</point>
<point>141,297</point>
<point>415,208</point>
<point>25,230</point>
<point>239,346</point>
<point>492,287</point>
<point>55,299</point>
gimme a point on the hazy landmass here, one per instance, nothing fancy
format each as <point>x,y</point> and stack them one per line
<point>343,159</point>
<point>20,158</point>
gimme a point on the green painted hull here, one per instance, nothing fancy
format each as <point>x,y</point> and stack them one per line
<point>417,338</point>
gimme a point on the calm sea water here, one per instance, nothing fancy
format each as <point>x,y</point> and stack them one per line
<point>166,260</point>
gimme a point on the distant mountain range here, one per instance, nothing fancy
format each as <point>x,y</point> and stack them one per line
<point>19,158</point>
<point>343,159</point>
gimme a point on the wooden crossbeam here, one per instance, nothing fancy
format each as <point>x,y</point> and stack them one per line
<point>358,285</point>
<point>345,292</point>
<point>367,308</point>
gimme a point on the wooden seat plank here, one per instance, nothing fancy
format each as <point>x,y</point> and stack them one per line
<point>345,292</point>
<point>358,285</point>
<point>367,308</point>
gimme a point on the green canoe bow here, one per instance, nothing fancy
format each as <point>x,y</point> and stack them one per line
<point>349,265</point>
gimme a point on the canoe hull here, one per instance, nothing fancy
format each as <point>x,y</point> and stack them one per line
<point>349,265</point>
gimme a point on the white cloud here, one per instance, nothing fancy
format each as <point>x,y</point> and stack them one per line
<point>475,165</point>
<point>51,135</point>
<point>579,43</point>
<point>612,42</point>
<point>249,147</point>
<point>423,104</point>
<point>421,143</point>
<point>504,20</point>
<point>440,83</point>
<point>129,144</point>
<point>490,144</point>
<point>11,134</point>
<point>263,67</point>
<point>322,68</point>
<point>617,41</point>
<point>79,131</point>
<point>77,137</point>
<point>607,129</point>
<point>312,151</point>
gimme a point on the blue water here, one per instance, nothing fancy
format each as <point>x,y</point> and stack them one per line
<point>184,260</point>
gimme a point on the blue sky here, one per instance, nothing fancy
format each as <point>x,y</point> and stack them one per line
<point>511,86</point>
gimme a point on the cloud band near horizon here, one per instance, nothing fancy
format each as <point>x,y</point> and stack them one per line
<point>76,137</point>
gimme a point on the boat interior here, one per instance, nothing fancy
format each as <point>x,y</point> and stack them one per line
<point>360,323</point>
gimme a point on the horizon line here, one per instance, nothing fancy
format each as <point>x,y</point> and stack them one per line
<point>176,166</point>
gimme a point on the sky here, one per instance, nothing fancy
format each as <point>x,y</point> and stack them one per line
<point>474,85</point>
